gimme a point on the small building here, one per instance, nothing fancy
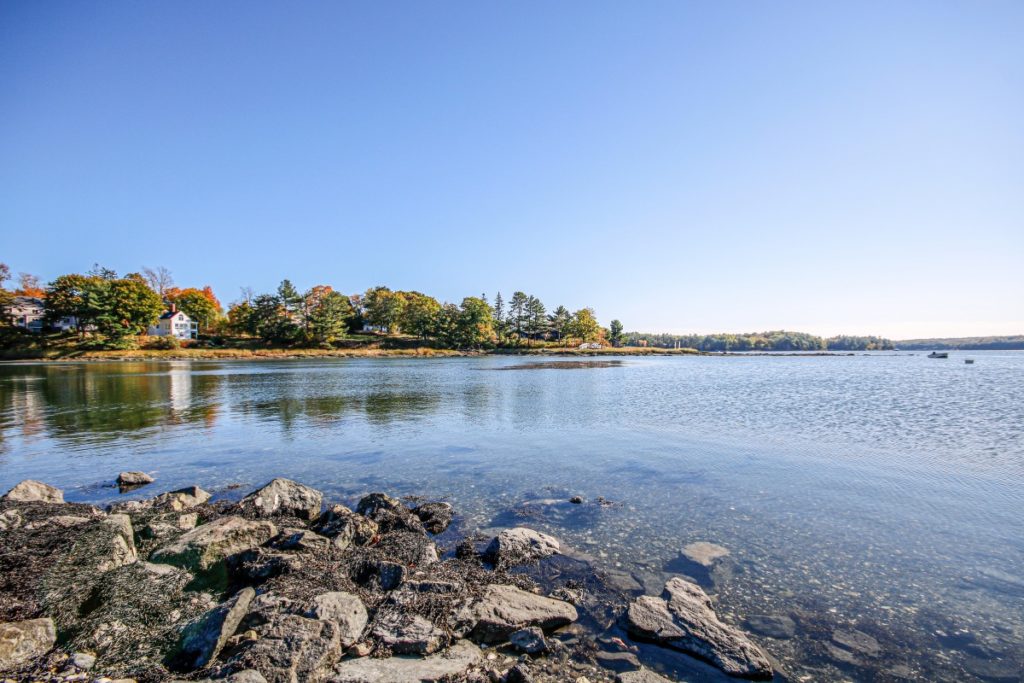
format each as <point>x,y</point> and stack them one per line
<point>174,323</point>
<point>27,312</point>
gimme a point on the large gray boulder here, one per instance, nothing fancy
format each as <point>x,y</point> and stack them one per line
<point>684,620</point>
<point>284,497</point>
<point>31,491</point>
<point>203,640</point>
<point>23,641</point>
<point>502,610</point>
<point>206,546</point>
<point>448,665</point>
<point>291,649</point>
<point>520,546</point>
<point>345,610</point>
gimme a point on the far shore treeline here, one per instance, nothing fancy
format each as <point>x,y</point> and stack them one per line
<point>100,309</point>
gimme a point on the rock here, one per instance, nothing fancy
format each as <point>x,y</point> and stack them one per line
<point>23,641</point>
<point>31,491</point>
<point>856,641</point>
<point>435,516</point>
<point>407,634</point>
<point>169,524</point>
<point>11,519</point>
<point>389,514</point>
<point>576,500</point>
<point>448,665</point>
<point>622,582</point>
<point>284,497</point>
<point>131,480</point>
<point>640,676</point>
<point>519,674</point>
<point>345,610</point>
<point>685,620</point>
<point>503,610</point>
<point>267,607</point>
<point>994,670</point>
<point>83,660</point>
<point>411,549</point>
<point>302,540</point>
<point>206,546</point>
<point>706,563</point>
<point>530,640</point>
<point>617,661</point>
<point>291,649</point>
<point>386,575</point>
<point>182,499</point>
<point>520,546</point>
<point>203,640</point>
<point>257,565</point>
<point>779,626</point>
<point>345,527</point>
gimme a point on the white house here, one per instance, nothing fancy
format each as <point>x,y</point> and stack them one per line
<point>28,312</point>
<point>174,323</point>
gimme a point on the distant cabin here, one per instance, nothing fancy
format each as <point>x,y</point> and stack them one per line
<point>28,312</point>
<point>174,323</point>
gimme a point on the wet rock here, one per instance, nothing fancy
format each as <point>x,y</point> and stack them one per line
<point>345,527</point>
<point>206,546</point>
<point>435,516</point>
<point>407,634</point>
<point>623,582</point>
<point>133,480</point>
<point>994,670</point>
<point>520,546</point>
<point>31,491</point>
<point>345,610</point>
<point>291,649</point>
<point>641,676</point>
<point>502,610</point>
<point>706,563</point>
<point>389,514</point>
<point>301,540</point>
<point>23,641</point>
<point>284,497</point>
<point>856,641</point>
<point>779,626</point>
<point>203,640</point>
<point>685,620</point>
<point>448,665</point>
<point>617,661</point>
<point>576,500</point>
<point>530,640</point>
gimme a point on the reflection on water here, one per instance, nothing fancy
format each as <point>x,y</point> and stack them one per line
<point>871,494</point>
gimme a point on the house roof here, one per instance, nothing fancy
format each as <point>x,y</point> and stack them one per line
<point>167,315</point>
<point>28,301</point>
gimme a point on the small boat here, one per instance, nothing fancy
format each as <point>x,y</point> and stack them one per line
<point>938,354</point>
<point>969,361</point>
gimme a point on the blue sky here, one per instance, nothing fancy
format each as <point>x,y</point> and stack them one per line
<point>682,166</point>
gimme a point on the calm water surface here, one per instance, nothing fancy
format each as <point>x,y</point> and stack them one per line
<point>883,493</point>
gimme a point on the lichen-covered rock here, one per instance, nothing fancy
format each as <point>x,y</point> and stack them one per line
<point>346,528</point>
<point>23,641</point>
<point>344,609</point>
<point>502,610</point>
<point>448,665</point>
<point>31,491</point>
<point>203,639</point>
<point>435,516</point>
<point>684,620</point>
<point>206,546</point>
<point>520,546</point>
<point>284,497</point>
<point>291,649</point>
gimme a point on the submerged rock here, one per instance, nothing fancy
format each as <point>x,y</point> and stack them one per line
<point>779,626</point>
<point>520,546</point>
<point>435,516</point>
<point>132,480</point>
<point>23,641</point>
<point>685,620</point>
<point>207,545</point>
<point>502,610</point>
<point>709,564</point>
<point>448,665</point>
<point>284,497</point>
<point>31,491</point>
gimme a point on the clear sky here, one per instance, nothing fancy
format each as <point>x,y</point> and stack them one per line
<point>830,167</point>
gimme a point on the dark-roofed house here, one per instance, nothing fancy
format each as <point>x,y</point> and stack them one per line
<point>174,323</point>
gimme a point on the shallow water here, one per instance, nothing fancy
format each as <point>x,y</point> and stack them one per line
<point>879,492</point>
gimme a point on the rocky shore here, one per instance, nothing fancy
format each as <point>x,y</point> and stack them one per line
<point>281,587</point>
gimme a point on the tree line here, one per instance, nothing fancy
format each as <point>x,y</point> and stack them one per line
<point>775,340</point>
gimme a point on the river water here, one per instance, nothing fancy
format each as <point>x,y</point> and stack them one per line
<point>875,494</point>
